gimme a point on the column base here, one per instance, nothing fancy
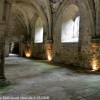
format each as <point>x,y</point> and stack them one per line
<point>4,82</point>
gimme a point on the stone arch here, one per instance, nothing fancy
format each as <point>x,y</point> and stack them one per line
<point>20,19</point>
<point>23,17</point>
<point>64,49</point>
<point>16,23</point>
<point>49,16</point>
<point>33,21</point>
<point>97,16</point>
<point>65,3</point>
<point>70,29</point>
<point>91,14</point>
<point>85,31</point>
<point>40,12</point>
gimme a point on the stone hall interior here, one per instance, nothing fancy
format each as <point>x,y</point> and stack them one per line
<point>49,49</point>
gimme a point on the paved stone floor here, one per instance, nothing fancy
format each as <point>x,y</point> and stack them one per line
<point>38,79</point>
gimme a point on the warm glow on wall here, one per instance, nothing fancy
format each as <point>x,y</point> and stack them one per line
<point>28,50</point>
<point>49,55</point>
<point>94,65</point>
<point>28,53</point>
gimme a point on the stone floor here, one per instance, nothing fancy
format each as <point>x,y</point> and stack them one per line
<point>38,80</point>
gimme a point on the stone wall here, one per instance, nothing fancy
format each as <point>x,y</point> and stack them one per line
<point>38,51</point>
<point>7,49</point>
<point>63,52</point>
<point>78,54</point>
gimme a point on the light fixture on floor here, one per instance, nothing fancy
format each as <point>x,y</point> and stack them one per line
<point>94,65</point>
<point>49,55</point>
<point>28,53</point>
<point>27,50</point>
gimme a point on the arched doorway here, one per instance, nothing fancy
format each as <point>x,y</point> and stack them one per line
<point>14,47</point>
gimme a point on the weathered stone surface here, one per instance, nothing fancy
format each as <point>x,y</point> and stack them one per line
<point>39,78</point>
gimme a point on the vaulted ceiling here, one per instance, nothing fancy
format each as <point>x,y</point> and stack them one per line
<point>24,13</point>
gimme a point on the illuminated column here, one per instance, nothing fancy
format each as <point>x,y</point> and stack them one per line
<point>27,49</point>
<point>95,61</point>
<point>49,50</point>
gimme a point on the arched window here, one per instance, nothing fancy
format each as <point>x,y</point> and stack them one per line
<point>39,31</point>
<point>70,27</point>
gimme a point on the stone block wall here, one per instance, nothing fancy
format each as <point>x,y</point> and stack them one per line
<point>63,52</point>
<point>78,54</point>
<point>38,50</point>
<point>82,53</point>
<point>6,50</point>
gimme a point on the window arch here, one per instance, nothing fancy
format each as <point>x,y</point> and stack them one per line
<point>39,31</point>
<point>70,24</point>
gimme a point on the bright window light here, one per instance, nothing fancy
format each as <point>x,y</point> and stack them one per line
<point>39,31</point>
<point>70,31</point>
<point>70,24</point>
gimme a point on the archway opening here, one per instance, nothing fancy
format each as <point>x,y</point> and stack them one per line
<point>13,48</point>
<point>70,24</point>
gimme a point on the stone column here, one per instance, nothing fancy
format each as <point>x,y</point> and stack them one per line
<point>28,49</point>
<point>3,81</point>
<point>31,47</point>
<point>20,49</point>
<point>97,10</point>
<point>7,49</point>
<point>5,6</point>
<point>49,55</point>
<point>2,61</point>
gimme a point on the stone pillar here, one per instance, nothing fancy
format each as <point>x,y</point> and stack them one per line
<point>31,47</point>
<point>27,49</point>
<point>21,49</point>
<point>3,81</point>
<point>97,10</point>
<point>2,76</point>
<point>5,6</point>
<point>49,50</point>
<point>2,61</point>
<point>7,47</point>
